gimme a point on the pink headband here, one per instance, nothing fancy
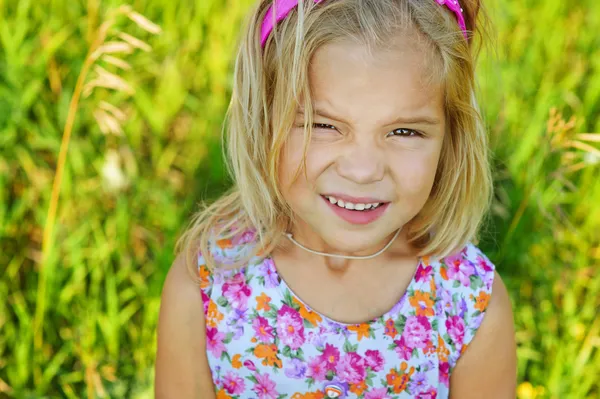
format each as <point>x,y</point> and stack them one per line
<point>283,8</point>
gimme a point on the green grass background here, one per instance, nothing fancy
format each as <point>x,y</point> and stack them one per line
<point>78,321</point>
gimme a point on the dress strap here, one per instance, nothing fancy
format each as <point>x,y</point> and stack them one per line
<point>464,287</point>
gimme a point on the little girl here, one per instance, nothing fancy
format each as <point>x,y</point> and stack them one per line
<point>342,263</point>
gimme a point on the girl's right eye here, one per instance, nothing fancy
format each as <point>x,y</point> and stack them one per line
<point>323,126</point>
<point>319,126</point>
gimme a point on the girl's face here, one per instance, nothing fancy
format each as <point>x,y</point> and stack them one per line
<point>378,133</point>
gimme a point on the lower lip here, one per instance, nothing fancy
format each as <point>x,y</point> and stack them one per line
<point>358,217</point>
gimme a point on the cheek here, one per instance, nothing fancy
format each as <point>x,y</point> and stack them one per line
<point>292,160</point>
<point>415,173</point>
<point>288,164</point>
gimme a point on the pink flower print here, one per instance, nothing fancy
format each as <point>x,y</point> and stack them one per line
<point>205,301</point>
<point>290,329</point>
<point>244,238</point>
<point>403,350</point>
<point>430,393</point>
<point>351,368</point>
<point>460,269</point>
<point>445,373</point>
<point>264,387</point>
<point>330,355</point>
<point>484,263</point>
<point>263,331</point>
<point>374,360</point>
<point>316,369</point>
<point>456,329</point>
<point>237,292</point>
<point>249,364</point>
<point>423,273</point>
<point>416,331</point>
<point>455,258</point>
<point>379,393</point>
<point>486,271</point>
<point>214,341</point>
<point>233,383</point>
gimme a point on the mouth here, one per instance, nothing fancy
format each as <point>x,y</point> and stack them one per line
<point>358,211</point>
<point>360,204</point>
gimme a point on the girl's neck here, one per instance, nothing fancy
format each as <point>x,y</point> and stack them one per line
<point>398,249</point>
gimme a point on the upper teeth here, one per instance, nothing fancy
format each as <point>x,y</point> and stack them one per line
<point>352,206</point>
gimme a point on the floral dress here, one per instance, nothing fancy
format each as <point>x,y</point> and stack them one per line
<point>263,342</point>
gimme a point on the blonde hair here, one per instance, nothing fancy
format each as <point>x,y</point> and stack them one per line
<point>269,85</point>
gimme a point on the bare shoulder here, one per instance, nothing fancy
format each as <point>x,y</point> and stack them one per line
<point>488,366</point>
<point>181,364</point>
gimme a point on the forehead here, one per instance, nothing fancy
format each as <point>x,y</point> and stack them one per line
<point>367,85</point>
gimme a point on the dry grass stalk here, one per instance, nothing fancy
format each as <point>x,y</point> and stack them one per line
<point>119,63</point>
<point>108,120</point>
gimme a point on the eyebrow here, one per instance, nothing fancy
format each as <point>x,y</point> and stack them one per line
<point>415,120</point>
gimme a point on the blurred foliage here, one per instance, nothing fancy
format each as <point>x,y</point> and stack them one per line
<point>545,231</point>
<point>78,318</point>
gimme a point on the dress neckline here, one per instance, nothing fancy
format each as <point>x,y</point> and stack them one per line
<point>392,313</point>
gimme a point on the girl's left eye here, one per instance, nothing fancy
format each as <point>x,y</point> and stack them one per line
<point>323,126</point>
<point>403,132</point>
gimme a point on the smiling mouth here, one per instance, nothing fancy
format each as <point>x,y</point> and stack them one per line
<point>353,206</point>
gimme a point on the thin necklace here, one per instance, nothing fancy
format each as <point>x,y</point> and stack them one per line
<point>291,238</point>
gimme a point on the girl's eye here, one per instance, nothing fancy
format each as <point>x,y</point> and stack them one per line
<point>323,126</point>
<point>402,132</point>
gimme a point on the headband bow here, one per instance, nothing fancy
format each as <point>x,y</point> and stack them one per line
<point>283,8</point>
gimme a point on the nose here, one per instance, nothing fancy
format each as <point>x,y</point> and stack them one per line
<point>362,163</point>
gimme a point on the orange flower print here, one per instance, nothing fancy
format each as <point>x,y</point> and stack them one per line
<point>308,395</point>
<point>359,388</point>
<point>463,349</point>
<point>429,348</point>
<point>235,361</point>
<point>390,328</point>
<point>262,302</point>
<point>442,350</point>
<point>444,273</point>
<point>224,244</point>
<point>213,316</point>
<point>222,395</point>
<point>312,317</point>
<point>422,303</point>
<point>399,381</point>
<point>432,287</point>
<point>269,355</point>
<point>482,301</point>
<point>204,274</point>
<point>308,315</point>
<point>362,330</point>
<point>396,381</point>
